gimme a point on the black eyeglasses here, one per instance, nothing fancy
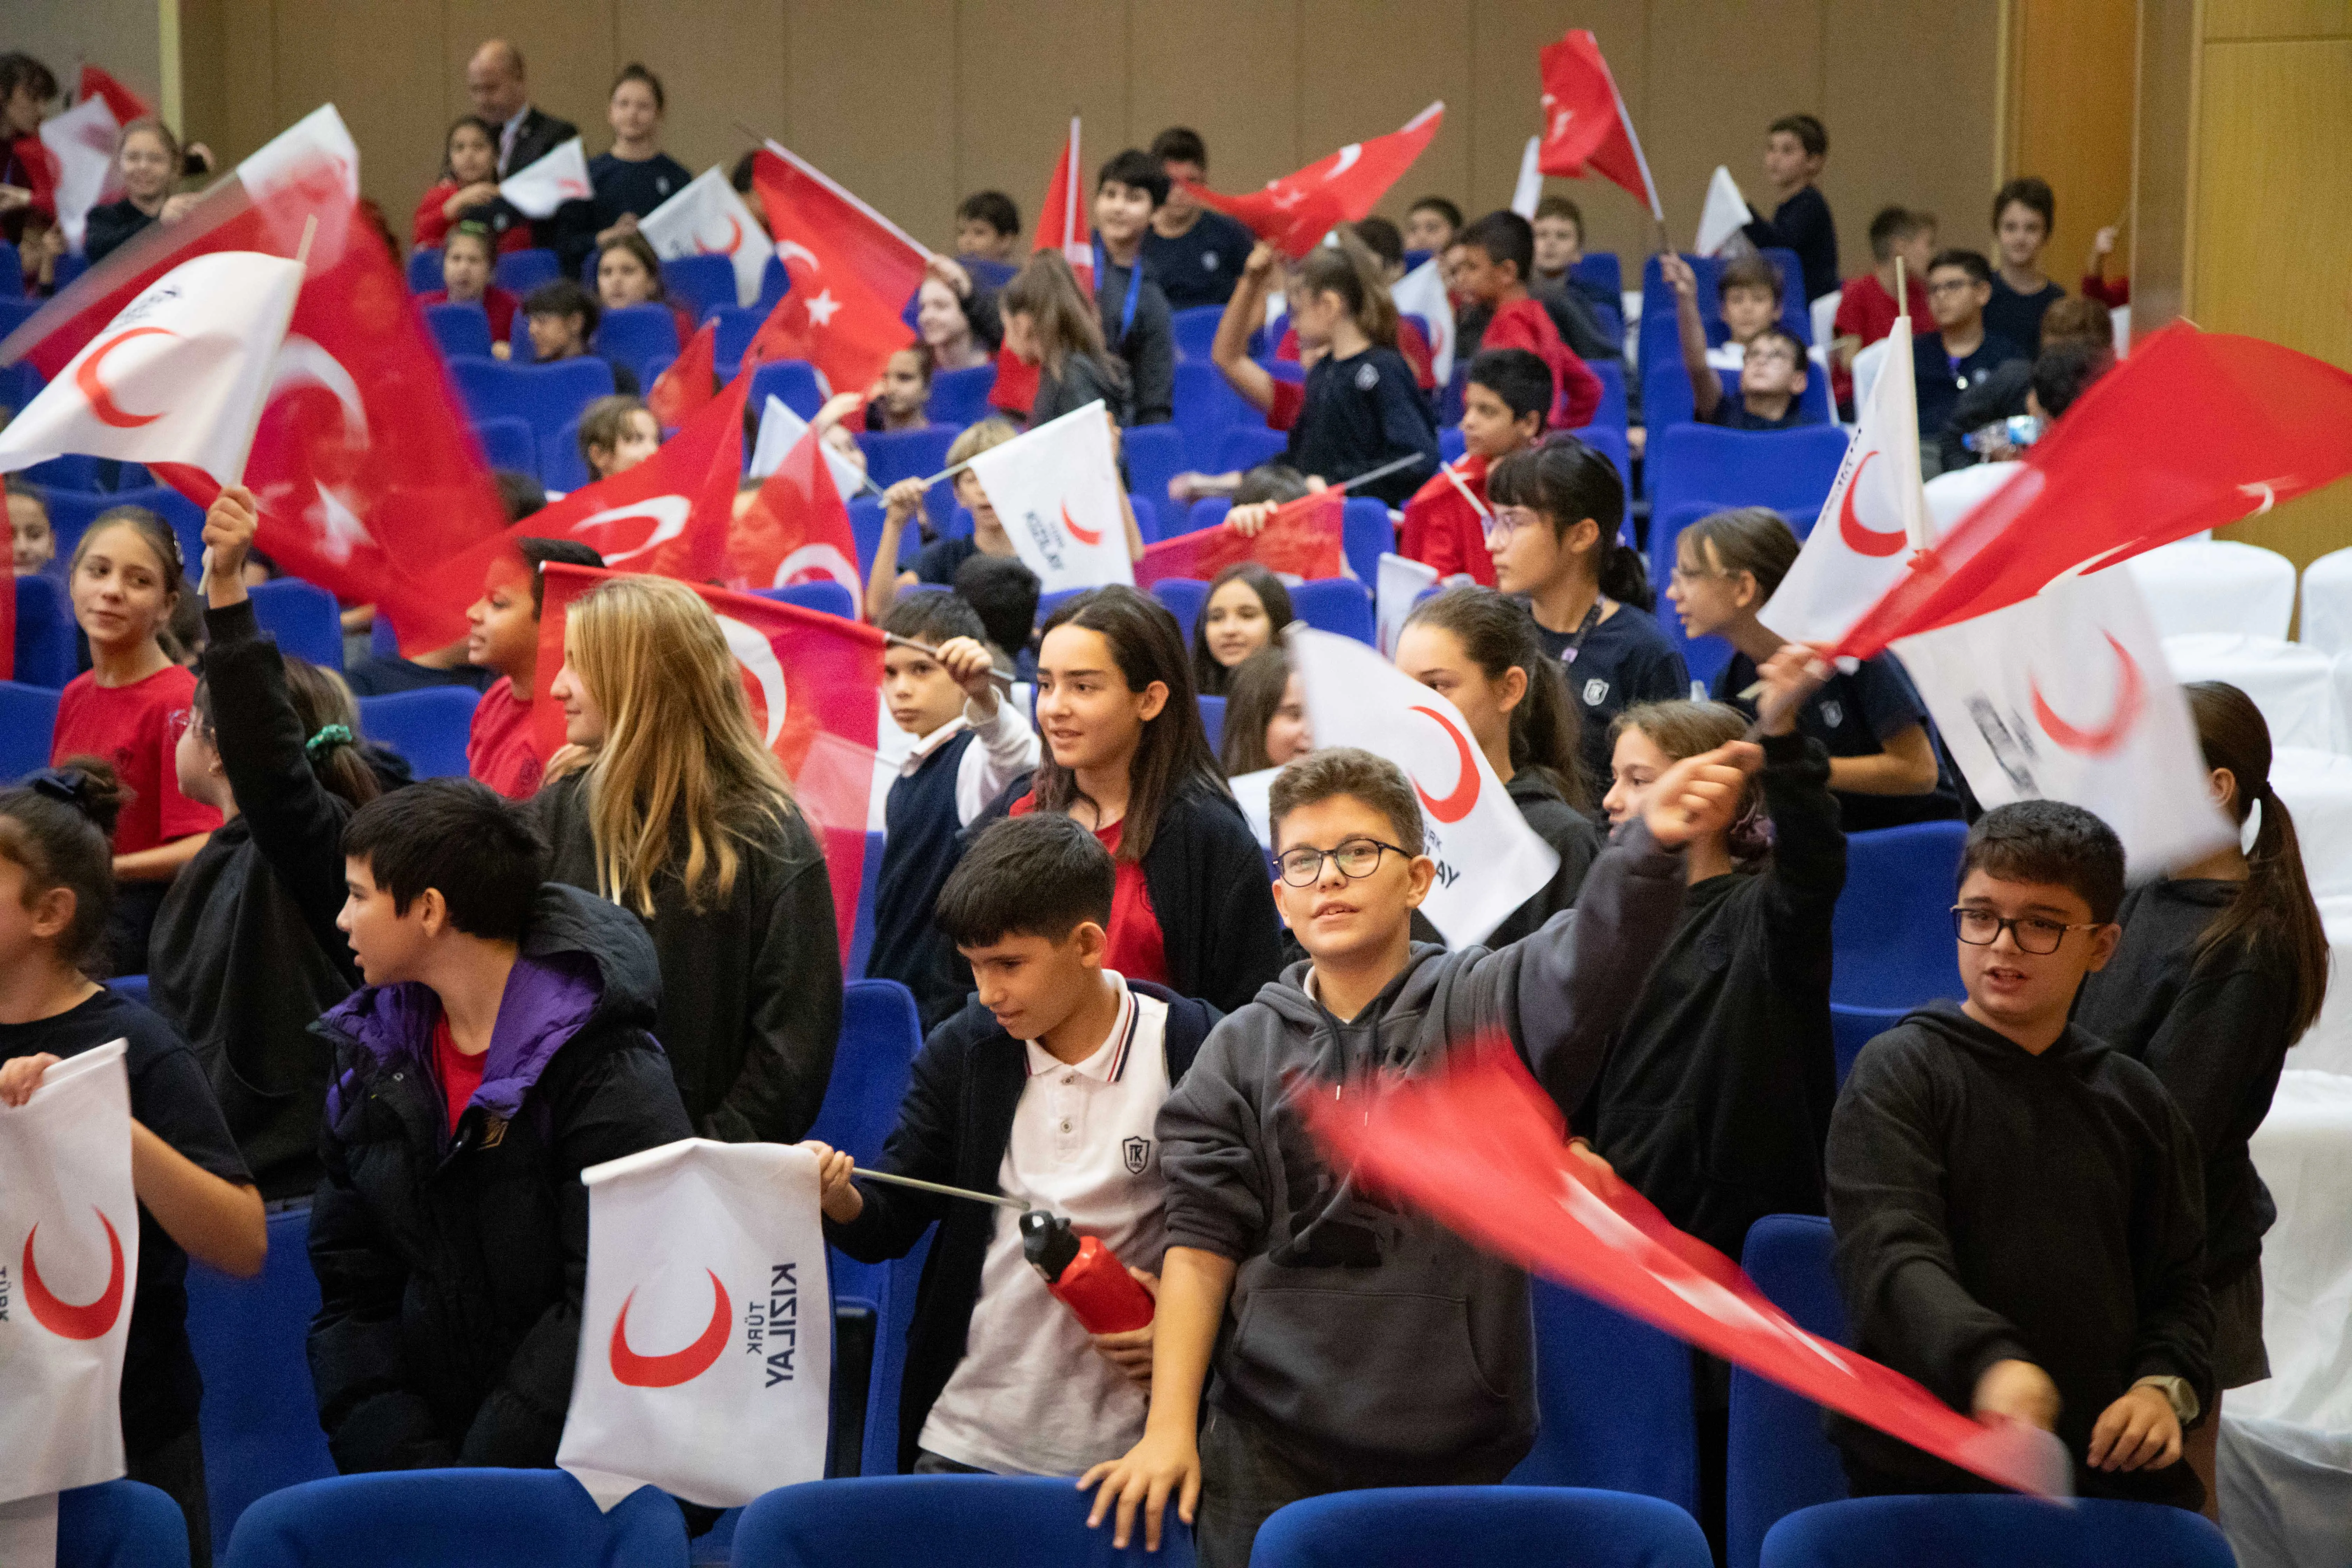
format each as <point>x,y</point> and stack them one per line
<point>1982,928</point>
<point>1358,857</point>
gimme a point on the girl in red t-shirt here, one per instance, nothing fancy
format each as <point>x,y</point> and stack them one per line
<point>468,188</point>
<point>128,711</point>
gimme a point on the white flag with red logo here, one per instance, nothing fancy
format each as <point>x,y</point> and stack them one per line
<point>780,430</point>
<point>1875,518</point>
<point>68,1270</point>
<point>853,270</point>
<point>1064,221</point>
<point>706,1336</point>
<point>2067,697</point>
<point>538,188</point>
<point>1724,217</point>
<point>178,377</point>
<point>795,528</point>
<point>708,218</point>
<point>1057,490</point>
<point>82,139</point>
<point>1489,861</point>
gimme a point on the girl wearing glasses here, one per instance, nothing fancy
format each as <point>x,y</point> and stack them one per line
<point>1554,536</point>
<point>1885,768</point>
<point>1126,757</point>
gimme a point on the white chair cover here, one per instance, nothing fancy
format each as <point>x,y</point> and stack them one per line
<point>1866,364</point>
<point>2216,585</point>
<point>2327,604</point>
<point>2293,686</point>
<point>2304,1152</point>
<point>1826,311</point>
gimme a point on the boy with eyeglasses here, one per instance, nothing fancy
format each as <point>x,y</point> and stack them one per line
<point>1772,365</point>
<point>2018,1210</point>
<point>1354,1343</point>
<point>1960,351</point>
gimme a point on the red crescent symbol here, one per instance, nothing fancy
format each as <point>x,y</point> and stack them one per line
<point>734,239</point>
<point>1454,806</point>
<point>1860,540</point>
<point>64,1319</point>
<point>2131,696</point>
<point>680,1367</point>
<point>1083,535</point>
<point>102,400</point>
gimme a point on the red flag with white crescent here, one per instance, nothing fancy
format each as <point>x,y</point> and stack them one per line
<point>796,529</point>
<point>1064,221</point>
<point>815,684</point>
<point>1586,130</point>
<point>1293,214</point>
<point>851,270</point>
<point>1301,541</point>
<point>706,218</point>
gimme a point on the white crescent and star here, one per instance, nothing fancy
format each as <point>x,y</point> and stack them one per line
<point>758,656</point>
<point>789,249</point>
<point>822,310</point>
<point>668,514</point>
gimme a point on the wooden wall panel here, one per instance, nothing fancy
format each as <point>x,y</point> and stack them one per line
<point>708,88</point>
<point>1902,133</point>
<point>880,118</point>
<point>374,77</point>
<point>1369,66</point>
<point>2071,118</point>
<point>1021,70</point>
<point>1715,79</point>
<point>1239,93</point>
<point>567,49</point>
<point>2277,19</point>
<point>1507,86</point>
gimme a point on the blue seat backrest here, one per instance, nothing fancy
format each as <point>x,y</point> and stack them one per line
<point>1450,448</point>
<point>521,271</point>
<point>1779,1460</point>
<point>303,617</point>
<point>699,282</point>
<point>1614,1397</point>
<point>45,649</point>
<point>456,1518</point>
<point>508,443</point>
<point>1601,267</point>
<point>793,380</point>
<point>1196,329</point>
<point>1525,1526</point>
<point>1989,1531</point>
<point>1184,597</point>
<point>1892,932</point>
<point>260,1416</point>
<point>1614,413</point>
<point>1703,656</point>
<point>1852,1027</point>
<point>1338,605</point>
<point>119,1521</point>
<point>1788,470</point>
<point>866,528</point>
<point>636,335</point>
<point>869,887</point>
<point>428,726</point>
<point>737,325</point>
<point>1612,443</point>
<point>73,471</point>
<point>562,466</point>
<point>1155,455</point>
<point>775,282</point>
<point>460,329</point>
<point>895,455</point>
<point>70,268</point>
<point>824,596</point>
<point>959,397</point>
<point>944,1521</point>
<point>1213,720</point>
<point>28,717</point>
<point>1205,409</point>
<point>425,269</point>
<point>1245,447</point>
<point>71,514</point>
<point>1365,534</point>
<point>545,396</point>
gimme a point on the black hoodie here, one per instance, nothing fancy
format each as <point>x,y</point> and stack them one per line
<point>451,1265</point>
<point>1992,1204</point>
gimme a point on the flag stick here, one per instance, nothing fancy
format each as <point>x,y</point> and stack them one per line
<point>1004,678</point>
<point>1902,290</point>
<point>302,252</point>
<point>945,1191</point>
<point>1476,504</point>
<point>1410,460</point>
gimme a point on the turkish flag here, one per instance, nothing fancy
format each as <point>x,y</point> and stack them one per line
<point>815,684</point>
<point>1300,541</point>
<point>1481,1148</point>
<point>2194,430</point>
<point>1586,130</point>
<point>1063,221</point>
<point>1293,214</point>
<point>796,529</point>
<point>121,101</point>
<point>852,271</point>
<point>362,463</point>
<point>686,387</point>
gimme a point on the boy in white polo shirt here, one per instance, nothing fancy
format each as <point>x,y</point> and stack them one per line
<point>1048,1088</point>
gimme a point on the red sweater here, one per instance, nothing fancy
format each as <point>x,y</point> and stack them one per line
<point>1525,324</point>
<point>1866,310</point>
<point>431,226</point>
<point>1445,530</point>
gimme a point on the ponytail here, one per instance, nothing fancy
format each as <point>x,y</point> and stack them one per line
<point>1496,634</point>
<point>1625,576</point>
<point>58,827</point>
<point>1349,270</point>
<point>2274,906</point>
<point>1569,483</point>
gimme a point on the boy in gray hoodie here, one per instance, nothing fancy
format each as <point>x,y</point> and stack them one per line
<point>1356,1344</point>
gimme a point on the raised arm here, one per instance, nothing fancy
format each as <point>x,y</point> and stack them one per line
<point>1706,388</point>
<point>1243,312</point>
<point>900,504</point>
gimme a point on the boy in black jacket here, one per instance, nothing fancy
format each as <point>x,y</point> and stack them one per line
<point>2018,1210</point>
<point>1353,1345</point>
<point>499,1048</point>
<point>1045,1087</point>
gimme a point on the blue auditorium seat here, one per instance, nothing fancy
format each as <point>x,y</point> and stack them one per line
<point>869,884</point>
<point>1451,447</point>
<point>71,472</point>
<point>699,282</point>
<point>14,313</point>
<point>1213,720</point>
<point>1245,447</point>
<point>521,271</point>
<point>509,443</point>
<point>1658,301</point>
<point>303,617</point>
<point>462,328</point>
<point>1788,470</point>
<point>636,335</point>
<point>28,717</point>
<point>793,380</point>
<point>1184,597</point>
<point>959,397</point>
<point>12,272</point>
<point>941,1521</point>
<point>547,397</point>
<point>1601,267</point>
<point>70,268</point>
<point>1615,1396</point>
<point>1155,455</point>
<point>1892,932</point>
<point>1614,413</point>
<point>1779,1460</point>
<point>1365,535</point>
<point>1852,1027</point>
<point>1994,1532</point>
<point>561,467</point>
<point>130,987</point>
<point>895,455</point>
<point>1612,445</point>
<point>1338,605</point>
<point>45,648</point>
<point>825,596</point>
<point>1520,1526</point>
<point>775,282</point>
<point>119,1524</point>
<point>456,1518</point>
<point>1146,517</point>
<point>866,528</point>
<point>1196,330</point>
<point>260,1416</point>
<point>737,325</point>
<point>71,514</point>
<point>425,269</point>
<point>428,726</point>
<point>1207,513</point>
<point>1205,408</point>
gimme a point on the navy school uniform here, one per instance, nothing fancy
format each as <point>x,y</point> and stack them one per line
<point>1940,377</point>
<point>1802,224</point>
<point>1200,266</point>
<point>922,827</point>
<point>635,188</point>
<point>2018,317</point>
<point>1358,412</point>
<point>1732,413</point>
<point>1624,660</point>
<point>1852,716</point>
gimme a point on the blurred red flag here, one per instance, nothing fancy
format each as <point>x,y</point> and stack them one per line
<point>1301,539</point>
<point>2194,430</point>
<point>121,101</point>
<point>851,270</point>
<point>1482,1149</point>
<point>1066,223</point>
<point>796,530</point>
<point>1293,214</point>
<point>815,684</point>
<point>686,387</point>
<point>1586,130</point>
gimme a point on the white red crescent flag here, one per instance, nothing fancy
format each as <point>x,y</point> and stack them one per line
<point>1064,221</point>
<point>1057,490</point>
<point>1300,541</point>
<point>795,528</point>
<point>1422,292</point>
<point>1489,861</point>
<point>178,378</point>
<point>815,684</point>
<point>69,1254</point>
<point>852,269</point>
<point>708,218</point>
<point>1482,1149</point>
<point>780,430</point>
<point>1724,217</point>
<point>2067,697</point>
<point>82,139</point>
<point>705,1332</point>
<point>1875,519</point>
<point>538,188</point>
<point>2195,431</point>
<point>1586,130</point>
<point>1401,584</point>
<point>1293,214</point>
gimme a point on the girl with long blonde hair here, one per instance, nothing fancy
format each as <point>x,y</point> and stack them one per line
<point>666,802</point>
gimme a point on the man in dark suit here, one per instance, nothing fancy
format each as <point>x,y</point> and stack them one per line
<point>502,95</point>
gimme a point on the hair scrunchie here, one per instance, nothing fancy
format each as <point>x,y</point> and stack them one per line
<point>327,739</point>
<point>70,785</point>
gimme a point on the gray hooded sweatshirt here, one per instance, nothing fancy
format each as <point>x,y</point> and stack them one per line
<point>1358,1331</point>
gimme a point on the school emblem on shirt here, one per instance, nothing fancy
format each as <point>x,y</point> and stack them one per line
<point>1834,713</point>
<point>1138,1154</point>
<point>1596,692</point>
<point>1367,376</point>
<point>1208,261</point>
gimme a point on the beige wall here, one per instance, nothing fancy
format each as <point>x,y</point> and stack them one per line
<point>120,36</point>
<point>913,102</point>
<point>2070,119</point>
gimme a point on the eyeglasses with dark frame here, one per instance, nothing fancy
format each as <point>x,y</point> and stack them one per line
<point>1357,858</point>
<point>1982,928</point>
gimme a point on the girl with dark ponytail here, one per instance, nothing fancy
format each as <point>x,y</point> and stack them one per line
<point>1557,509</point>
<point>2222,966</point>
<point>1480,650</point>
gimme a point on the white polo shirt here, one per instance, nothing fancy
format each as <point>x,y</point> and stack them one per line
<point>1031,1396</point>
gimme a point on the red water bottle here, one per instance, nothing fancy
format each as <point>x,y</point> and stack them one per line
<point>1085,1274</point>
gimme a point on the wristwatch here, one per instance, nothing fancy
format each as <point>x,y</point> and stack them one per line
<point>2177,1394</point>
